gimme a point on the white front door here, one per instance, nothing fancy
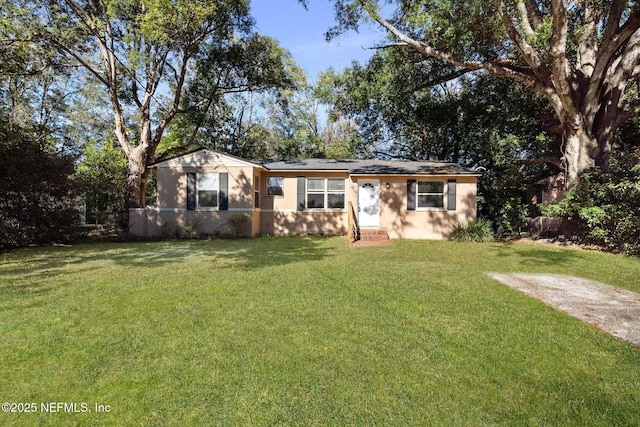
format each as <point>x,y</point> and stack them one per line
<point>369,202</point>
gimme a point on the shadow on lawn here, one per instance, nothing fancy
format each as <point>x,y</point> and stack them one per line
<point>34,271</point>
<point>541,256</point>
<point>37,271</point>
<point>246,254</point>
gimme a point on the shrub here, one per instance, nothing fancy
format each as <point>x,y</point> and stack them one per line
<point>604,207</point>
<point>512,218</point>
<point>38,196</point>
<point>238,223</point>
<point>475,231</point>
<point>190,228</point>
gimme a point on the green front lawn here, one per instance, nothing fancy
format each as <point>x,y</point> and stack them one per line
<point>307,331</point>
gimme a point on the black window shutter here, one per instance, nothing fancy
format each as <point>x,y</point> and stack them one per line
<point>224,191</point>
<point>301,182</point>
<point>411,194</point>
<point>451,195</point>
<point>191,191</point>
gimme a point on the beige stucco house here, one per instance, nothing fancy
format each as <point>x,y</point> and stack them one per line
<point>409,200</point>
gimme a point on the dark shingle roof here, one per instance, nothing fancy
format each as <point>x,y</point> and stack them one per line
<point>370,167</point>
<point>352,166</point>
<point>309,164</point>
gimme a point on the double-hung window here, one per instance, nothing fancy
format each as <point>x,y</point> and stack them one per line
<point>316,192</point>
<point>208,188</point>
<point>431,194</point>
<point>335,193</point>
<point>325,193</point>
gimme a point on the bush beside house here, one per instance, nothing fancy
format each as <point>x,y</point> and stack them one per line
<point>603,209</point>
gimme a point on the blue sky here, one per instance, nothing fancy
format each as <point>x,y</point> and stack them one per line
<point>301,32</point>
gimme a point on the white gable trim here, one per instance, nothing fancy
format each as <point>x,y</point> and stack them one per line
<point>205,157</point>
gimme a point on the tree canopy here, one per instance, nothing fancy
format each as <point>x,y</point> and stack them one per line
<point>582,56</point>
<point>484,122</point>
<point>145,56</point>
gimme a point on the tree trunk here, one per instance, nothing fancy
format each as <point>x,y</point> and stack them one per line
<point>134,179</point>
<point>578,155</point>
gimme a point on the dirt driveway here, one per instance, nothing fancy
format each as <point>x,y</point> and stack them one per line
<point>613,310</point>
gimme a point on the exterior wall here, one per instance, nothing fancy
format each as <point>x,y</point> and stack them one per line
<point>255,223</point>
<point>171,217</point>
<point>554,191</point>
<point>553,195</point>
<point>282,223</point>
<point>280,215</point>
<point>401,223</point>
<point>157,222</point>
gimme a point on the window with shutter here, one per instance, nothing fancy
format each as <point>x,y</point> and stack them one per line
<point>325,193</point>
<point>431,194</point>
<point>208,188</point>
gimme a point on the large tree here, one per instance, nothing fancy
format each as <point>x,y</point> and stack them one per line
<point>488,121</point>
<point>582,56</point>
<point>143,54</point>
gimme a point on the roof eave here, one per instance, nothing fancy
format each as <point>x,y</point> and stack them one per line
<point>239,159</point>
<point>414,174</point>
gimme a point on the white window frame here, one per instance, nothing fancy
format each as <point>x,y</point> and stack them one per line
<point>281,186</point>
<point>442,194</point>
<point>342,192</point>
<point>217,190</point>
<point>325,192</point>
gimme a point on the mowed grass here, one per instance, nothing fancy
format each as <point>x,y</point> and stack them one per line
<point>307,331</point>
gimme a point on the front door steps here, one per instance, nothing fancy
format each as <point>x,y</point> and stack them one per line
<point>373,237</point>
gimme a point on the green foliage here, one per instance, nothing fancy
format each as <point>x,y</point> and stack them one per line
<point>38,197</point>
<point>237,87</point>
<point>238,222</point>
<point>475,231</point>
<point>152,61</point>
<point>472,28</point>
<point>555,210</point>
<point>103,176</point>
<point>189,228</point>
<point>604,207</point>
<point>547,46</point>
<point>512,218</point>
